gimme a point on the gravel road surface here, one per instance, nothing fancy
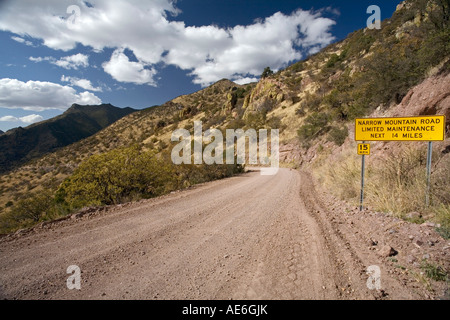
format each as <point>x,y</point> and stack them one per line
<point>245,237</point>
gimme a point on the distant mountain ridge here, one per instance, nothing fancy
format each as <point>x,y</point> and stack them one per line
<point>78,122</point>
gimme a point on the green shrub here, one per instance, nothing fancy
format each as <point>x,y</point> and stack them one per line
<point>434,271</point>
<point>275,123</point>
<point>26,212</point>
<point>116,176</point>
<point>240,93</point>
<point>256,120</point>
<point>300,112</point>
<point>161,124</point>
<point>332,61</point>
<point>311,102</point>
<point>297,67</point>
<point>338,135</point>
<point>130,174</point>
<point>266,73</point>
<point>33,208</point>
<point>236,124</point>
<point>315,125</point>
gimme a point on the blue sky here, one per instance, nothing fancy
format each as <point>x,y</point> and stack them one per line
<point>144,53</point>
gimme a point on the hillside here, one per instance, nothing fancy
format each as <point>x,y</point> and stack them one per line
<point>78,122</point>
<point>150,128</point>
<point>313,102</point>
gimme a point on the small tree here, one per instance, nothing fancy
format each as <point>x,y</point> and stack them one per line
<point>266,73</point>
<point>35,207</point>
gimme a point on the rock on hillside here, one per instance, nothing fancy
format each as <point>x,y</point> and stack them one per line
<point>431,97</point>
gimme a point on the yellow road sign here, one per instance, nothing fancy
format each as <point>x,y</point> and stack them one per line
<point>363,149</point>
<point>427,128</point>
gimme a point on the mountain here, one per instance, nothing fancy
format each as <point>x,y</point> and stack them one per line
<point>313,102</point>
<point>1,132</point>
<point>78,122</point>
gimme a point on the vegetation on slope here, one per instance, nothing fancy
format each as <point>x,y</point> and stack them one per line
<point>376,68</point>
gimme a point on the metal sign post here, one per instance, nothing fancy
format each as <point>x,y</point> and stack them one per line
<point>363,165</point>
<point>429,156</point>
<point>363,150</point>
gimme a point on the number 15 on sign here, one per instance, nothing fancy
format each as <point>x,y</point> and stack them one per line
<point>364,149</point>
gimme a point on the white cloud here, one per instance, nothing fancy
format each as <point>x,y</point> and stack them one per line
<point>210,53</point>
<point>70,62</point>
<point>21,40</point>
<point>9,118</point>
<point>117,88</point>
<point>40,96</point>
<point>82,83</point>
<point>32,118</point>
<point>273,42</point>
<point>73,62</point>
<point>245,80</point>
<point>124,70</point>
<point>39,59</point>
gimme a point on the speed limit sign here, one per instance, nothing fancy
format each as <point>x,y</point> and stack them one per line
<point>364,149</point>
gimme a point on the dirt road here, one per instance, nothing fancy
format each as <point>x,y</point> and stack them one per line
<point>246,237</point>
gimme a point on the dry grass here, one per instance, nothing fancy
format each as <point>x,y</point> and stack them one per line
<point>395,182</point>
<point>398,183</point>
<point>342,175</point>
